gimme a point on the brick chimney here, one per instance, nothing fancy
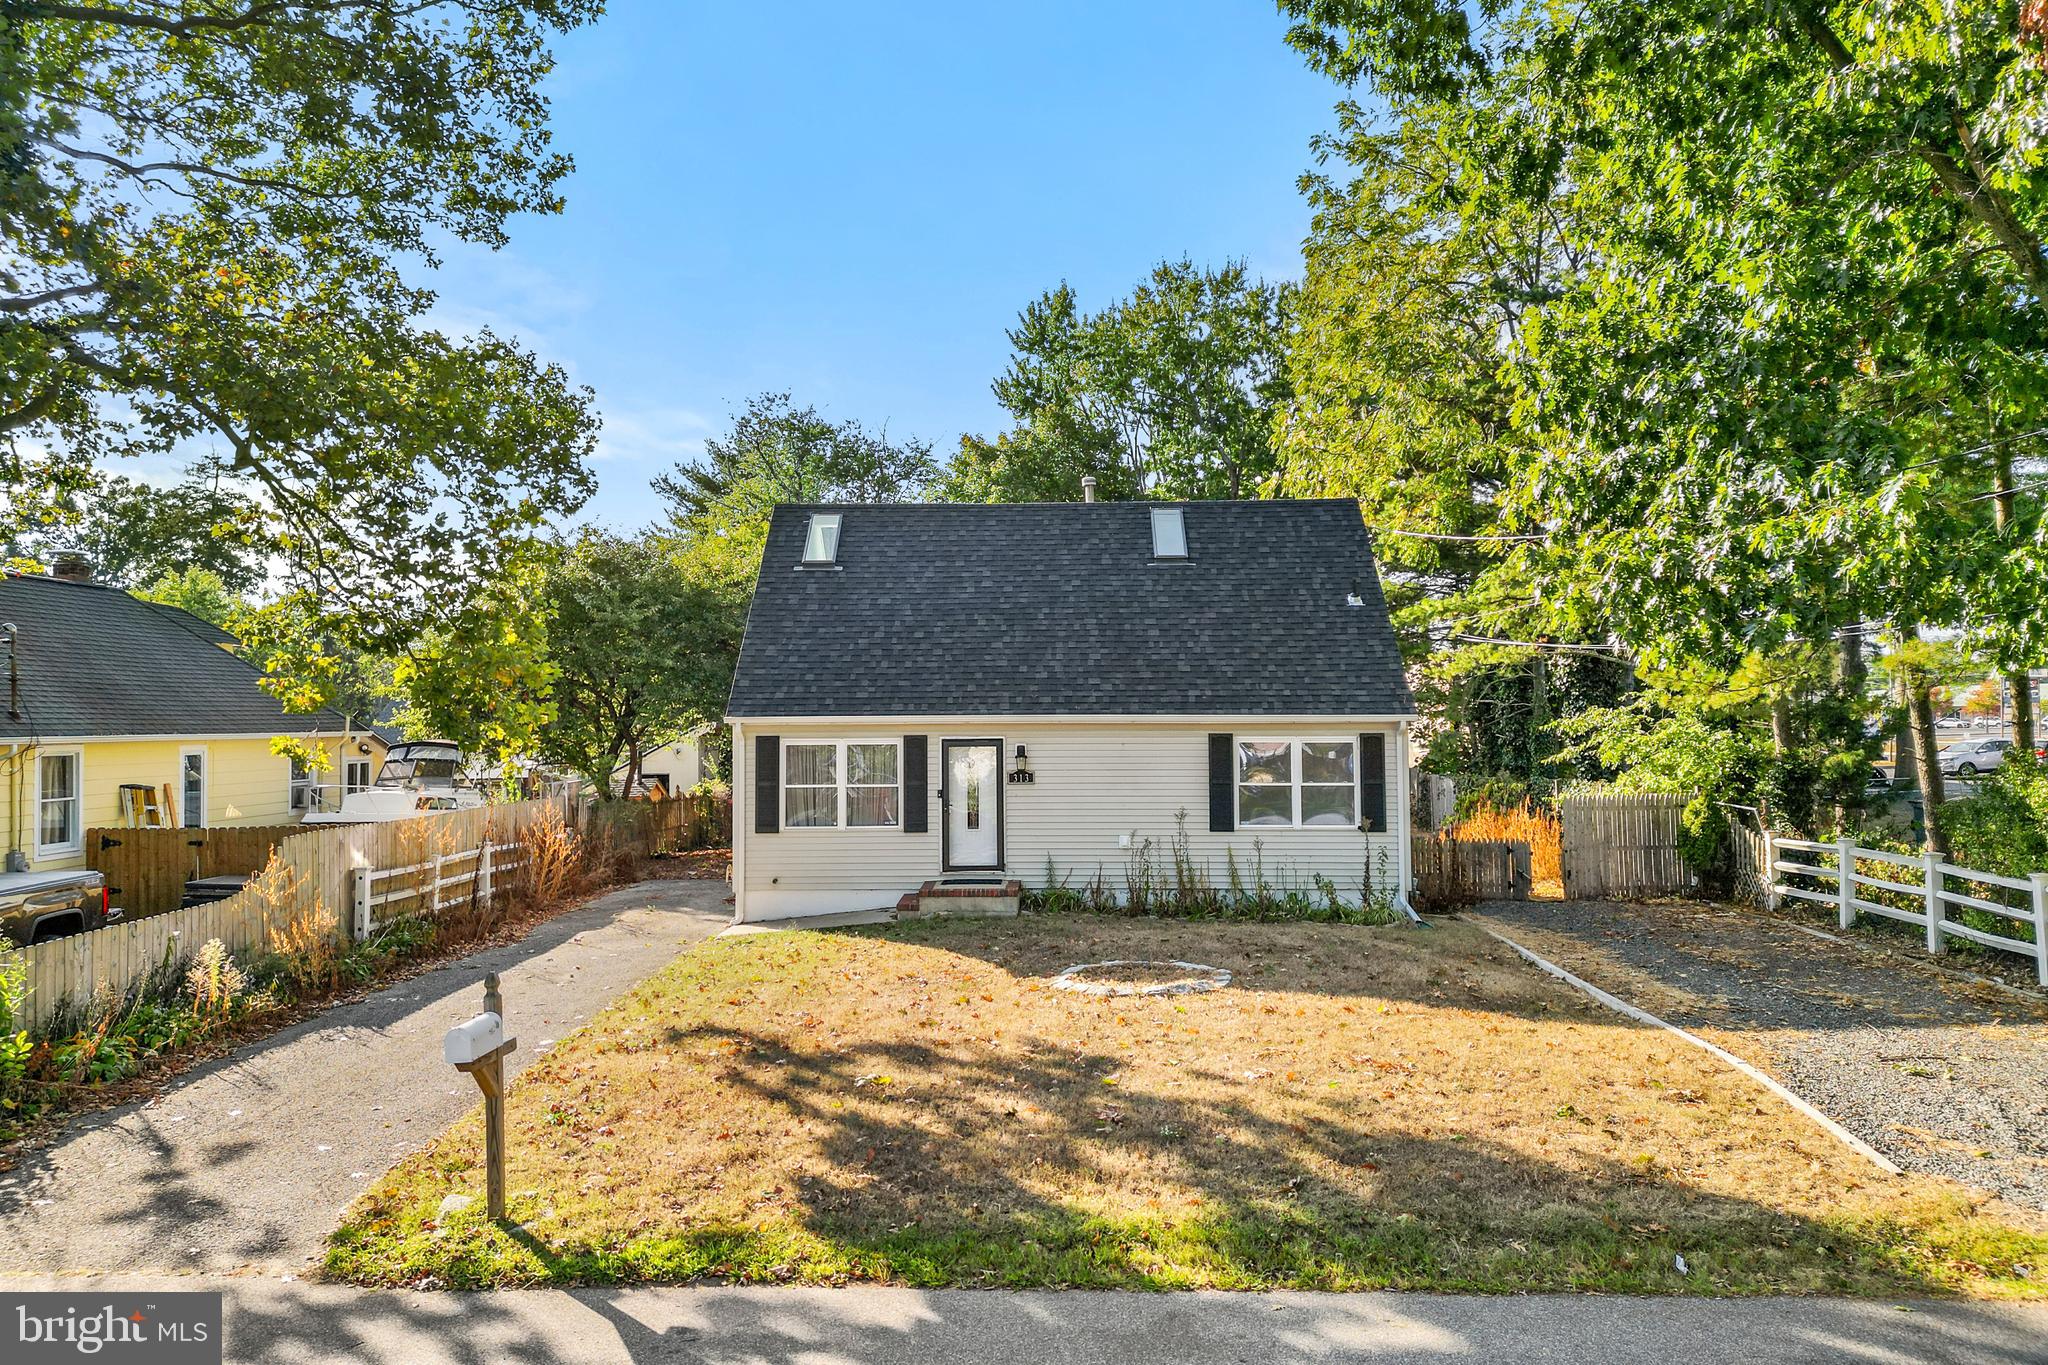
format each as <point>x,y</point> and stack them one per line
<point>72,567</point>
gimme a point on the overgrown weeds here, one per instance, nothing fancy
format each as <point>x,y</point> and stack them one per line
<point>1176,883</point>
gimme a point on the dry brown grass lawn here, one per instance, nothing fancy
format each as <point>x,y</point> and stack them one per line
<point>1362,1107</point>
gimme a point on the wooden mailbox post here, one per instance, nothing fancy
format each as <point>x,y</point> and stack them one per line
<point>480,1047</point>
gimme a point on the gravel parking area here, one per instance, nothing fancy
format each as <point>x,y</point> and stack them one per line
<point>1943,1075</point>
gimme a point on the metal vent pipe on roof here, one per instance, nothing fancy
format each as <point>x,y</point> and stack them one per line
<point>1087,488</point>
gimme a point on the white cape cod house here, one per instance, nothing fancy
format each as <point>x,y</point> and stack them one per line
<point>996,694</point>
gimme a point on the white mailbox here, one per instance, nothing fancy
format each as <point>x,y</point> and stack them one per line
<point>473,1041</point>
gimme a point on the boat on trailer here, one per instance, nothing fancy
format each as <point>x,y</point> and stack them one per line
<point>416,778</point>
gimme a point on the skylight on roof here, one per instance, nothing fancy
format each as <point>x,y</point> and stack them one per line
<point>821,541</point>
<point>1169,534</point>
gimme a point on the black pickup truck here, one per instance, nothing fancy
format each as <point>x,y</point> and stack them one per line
<point>35,906</point>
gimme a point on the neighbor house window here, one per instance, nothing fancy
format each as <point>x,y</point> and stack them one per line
<point>1169,534</point>
<point>1297,782</point>
<point>857,784</point>
<point>355,775</point>
<point>302,786</point>
<point>821,541</point>
<point>192,788</point>
<point>60,824</point>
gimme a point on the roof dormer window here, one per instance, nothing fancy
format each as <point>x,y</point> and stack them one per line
<point>1169,534</point>
<point>821,541</point>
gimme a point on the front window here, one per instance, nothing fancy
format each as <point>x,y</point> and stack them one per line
<point>59,823</point>
<point>1297,783</point>
<point>857,785</point>
<point>355,775</point>
<point>302,787</point>
<point>811,785</point>
<point>871,791</point>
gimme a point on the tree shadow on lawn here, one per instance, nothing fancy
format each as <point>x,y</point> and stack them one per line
<point>1136,1188</point>
<point>833,1108</point>
<point>959,1169</point>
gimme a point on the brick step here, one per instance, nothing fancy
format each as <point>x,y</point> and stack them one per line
<point>979,897</point>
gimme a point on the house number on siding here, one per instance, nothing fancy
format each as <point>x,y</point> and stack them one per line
<point>1022,777</point>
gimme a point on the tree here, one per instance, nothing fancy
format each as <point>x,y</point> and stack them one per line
<point>776,453</point>
<point>641,650</point>
<point>198,591</point>
<point>134,533</point>
<point>1421,276</point>
<point>1170,393</point>
<point>1809,321</point>
<point>202,208</point>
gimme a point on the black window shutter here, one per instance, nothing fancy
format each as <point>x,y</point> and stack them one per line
<point>1222,783</point>
<point>767,784</point>
<point>916,779</point>
<point>1372,783</point>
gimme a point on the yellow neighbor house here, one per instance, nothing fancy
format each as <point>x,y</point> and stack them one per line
<point>110,705</point>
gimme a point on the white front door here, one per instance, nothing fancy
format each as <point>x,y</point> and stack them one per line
<point>974,804</point>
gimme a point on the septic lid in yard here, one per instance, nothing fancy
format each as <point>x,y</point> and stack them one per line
<point>1141,978</point>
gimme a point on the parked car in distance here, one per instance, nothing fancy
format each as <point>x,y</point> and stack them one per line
<point>1967,758</point>
<point>35,906</point>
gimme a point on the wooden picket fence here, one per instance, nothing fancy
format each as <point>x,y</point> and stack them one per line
<point>314,872</point>
<point>146,869</point>
<point>427,864</point>
<point>1622,844</point>
<point>648,828</point>
<point>1450,871</point>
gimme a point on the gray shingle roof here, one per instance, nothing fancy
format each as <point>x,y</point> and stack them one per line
<point>1060,609</point>
<point>95,661</point>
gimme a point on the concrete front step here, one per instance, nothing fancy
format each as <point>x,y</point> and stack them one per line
<point>963,896</point>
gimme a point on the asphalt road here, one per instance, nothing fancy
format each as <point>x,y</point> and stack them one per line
<point>248,1161</point>
<point>297,1324</point>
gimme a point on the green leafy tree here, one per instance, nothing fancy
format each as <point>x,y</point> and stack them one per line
<point>641,649</point>
<point>777,452</point>
<point>134,533</point>
<point>1789,387</point>
<point>203,206</point>
<point>199,591</point>
<point>1171,392</point>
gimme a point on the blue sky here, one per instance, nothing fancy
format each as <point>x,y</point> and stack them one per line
<point>851,202</point>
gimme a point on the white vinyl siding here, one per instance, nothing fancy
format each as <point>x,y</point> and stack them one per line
<point>1093,782</point>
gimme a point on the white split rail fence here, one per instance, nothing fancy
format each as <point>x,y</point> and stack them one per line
<point>422,894</point>
<point>1933,891</point>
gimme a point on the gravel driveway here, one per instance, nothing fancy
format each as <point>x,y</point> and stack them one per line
<point>1940,1074</point>
<point>248,1161</point>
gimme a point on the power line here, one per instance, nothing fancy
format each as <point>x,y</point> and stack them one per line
<point>1481,539</point>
